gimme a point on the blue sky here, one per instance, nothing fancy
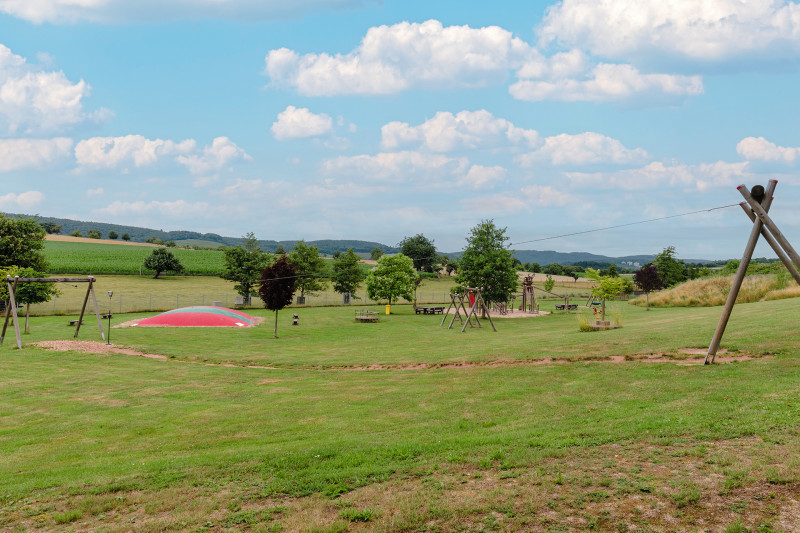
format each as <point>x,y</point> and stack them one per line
<point>377,120</point>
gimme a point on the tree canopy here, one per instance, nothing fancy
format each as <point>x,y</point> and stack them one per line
<point>486,264</point>
<point>391,279</point>
<point>243,265</point>
<point>162,260</point>
<point>648,280</point>
<point>672,271</point>
<point>310,268</point>
<point>27,293</point>
<point>421,250</point>
<point>21,242</point>
<point>277,286</point>
<point>347,274</point>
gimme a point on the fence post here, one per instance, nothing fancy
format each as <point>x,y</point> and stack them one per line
<point>120,303</point>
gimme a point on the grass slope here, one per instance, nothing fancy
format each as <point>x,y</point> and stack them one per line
<point>91,441</point>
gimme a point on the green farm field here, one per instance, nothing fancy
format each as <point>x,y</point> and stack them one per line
<point>405,425</point>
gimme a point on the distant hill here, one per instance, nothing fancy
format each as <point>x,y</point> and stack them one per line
<point>193,238</point>
<point>327,246</point>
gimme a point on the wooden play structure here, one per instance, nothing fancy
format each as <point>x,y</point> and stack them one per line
<point>11,310</point>
<point>457,303</point>
<point>528,296</point>
<point>756,205</point>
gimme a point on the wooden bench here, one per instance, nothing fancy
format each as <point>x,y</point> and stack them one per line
<point>365,315</point>
<point>104,317</point>
<point>571,307</point>
<point>425,310</point>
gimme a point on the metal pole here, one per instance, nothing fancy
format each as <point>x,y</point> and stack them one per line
<point>775,246</point>
<point>740,273</point>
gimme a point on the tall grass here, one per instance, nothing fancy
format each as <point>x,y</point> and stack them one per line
<point>714,291</point>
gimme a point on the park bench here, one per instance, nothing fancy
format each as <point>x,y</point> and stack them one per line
<point>426,310</point>
<point>365,315</point>
<point>104,317</point>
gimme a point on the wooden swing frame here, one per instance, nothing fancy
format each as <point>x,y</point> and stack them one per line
<point>11,310</point>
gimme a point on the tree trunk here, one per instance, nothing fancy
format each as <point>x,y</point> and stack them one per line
<point>604,310</point>
<point>276,325</point>
<point>647,300</point>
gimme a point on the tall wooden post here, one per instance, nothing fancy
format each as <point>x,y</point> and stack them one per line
<point>774,244</point>
<point>739,278</point>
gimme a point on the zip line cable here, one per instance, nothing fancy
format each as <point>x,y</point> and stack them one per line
<point>595,230</point>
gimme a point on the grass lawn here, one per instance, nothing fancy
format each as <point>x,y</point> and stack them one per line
<point>121,443</point>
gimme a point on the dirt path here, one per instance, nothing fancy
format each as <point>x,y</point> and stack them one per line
<point>688,356</point>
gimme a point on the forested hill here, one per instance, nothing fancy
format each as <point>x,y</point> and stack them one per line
<point>183,238</point>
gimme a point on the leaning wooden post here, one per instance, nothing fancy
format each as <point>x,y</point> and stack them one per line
<point>97,311</point>
<point>83,309</point>
<point>762,215</point>
<point>775,246</point>
<point>740,273</point>
<point>14,310</point>
<point>7,312</point>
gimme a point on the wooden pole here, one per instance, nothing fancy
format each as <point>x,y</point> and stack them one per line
<point>14,311</point>
<point>7,313</point>
<point>762,215</point>
<point>83,309</point>
<point>452,303</point>
<point>97,311</point>
<point>740,273</point>
<point>775,246</point>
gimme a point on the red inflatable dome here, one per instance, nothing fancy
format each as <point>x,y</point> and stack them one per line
<point>199,316</point>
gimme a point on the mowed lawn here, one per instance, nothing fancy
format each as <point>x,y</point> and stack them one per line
<point>355,428</point>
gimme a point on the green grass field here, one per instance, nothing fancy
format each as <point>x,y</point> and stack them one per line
<point>404,425</point>
<point>95,259</point>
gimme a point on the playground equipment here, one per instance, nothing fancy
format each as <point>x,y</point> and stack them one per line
<point>758,201</point>
<point>12,308</point>
<point>474,297</point>
<point>528,296</point>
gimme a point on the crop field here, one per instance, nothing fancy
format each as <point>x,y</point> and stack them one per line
<point>95,259</point>
<point>405,425</point>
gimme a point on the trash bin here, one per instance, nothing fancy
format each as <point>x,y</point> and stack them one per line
<point>388,309</point>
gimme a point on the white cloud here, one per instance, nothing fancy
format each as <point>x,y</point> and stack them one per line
<point>394,58</point>
<point>701,177</point>
<point>480,177</point>
<point>32,153</point>
<point>524,198</point>
<point>95,192</point>
<point>176,209</point>
<point>243,188</point>
<point>582,149</point>
<point>32,100</point>
<point>221,152</point>
<point>399,167</point>
<point>113,152</point>
<point>699,30</point>
<point>104,11</point>
<point>605,82</point>
<point>760,149</point>
<point>25,200</point>
<point>465,130</point>
<point>298,123</point>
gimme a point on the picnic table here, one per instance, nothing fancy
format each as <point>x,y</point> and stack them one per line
<point>365,315</point>
<point>428,310</point>
<point>570,307</point>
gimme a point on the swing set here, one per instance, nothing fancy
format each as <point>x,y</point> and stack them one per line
<point>457,302</point>
<point>11,309</point>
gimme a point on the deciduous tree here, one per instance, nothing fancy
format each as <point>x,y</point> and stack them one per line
<point>421,250</point>
<point>113,235</point>
<point>162,260</point>
<point>310,269</point>
<point>672,271</point>
<point>608,287</point>
<point>487,264</point>
<point>126,237</point>
<point>391,279</point>
<point>647,279</point>
<point>243,265</point>
<point>347,274</point>
<point>375,254</point>
<point>21,243</point>
<point>277,286</point>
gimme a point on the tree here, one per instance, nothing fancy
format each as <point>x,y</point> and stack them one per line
<point>243,265</point>
<point>21,242</point>
<point>310,269</point>
<point>392,278</point>
<point>51,227</point>
<point>421,250</point>
<point>554,269</point>
<point>280,250</point>
<point>277,286</point>
<point>451,266</point>
<point>375,254</point>
<point>549,283</point>
<point>671,270</point>
<point>608,287</point>
<point>27,293</point>
<point>76,233</point>
<point>94,234</point>
<point>347,274</point>
<point>647,279</point>
<point>162,260</point>
<point>126,237</point>
<point>487,264</point>
<point>113,235</point>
